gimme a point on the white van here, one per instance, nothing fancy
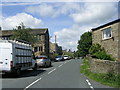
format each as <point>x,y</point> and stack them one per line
<point>16,56</point>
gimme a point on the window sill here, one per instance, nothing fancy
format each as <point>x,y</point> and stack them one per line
<point>107,38</point>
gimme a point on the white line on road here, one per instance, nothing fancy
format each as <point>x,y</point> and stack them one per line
<point>52,71</point>
<point>60,65</point>
<point>33,83</point>
<point>92,87</point>
<point>89,84</point>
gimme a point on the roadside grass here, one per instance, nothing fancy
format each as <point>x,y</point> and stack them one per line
<point>109,79</point>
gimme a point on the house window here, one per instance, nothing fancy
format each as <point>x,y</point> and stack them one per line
<point>35,49</point>
<point>107,33</point>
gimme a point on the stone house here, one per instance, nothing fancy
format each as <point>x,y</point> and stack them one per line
<point>42,35</point>
<point>108,36</point>
<point>55,48</point>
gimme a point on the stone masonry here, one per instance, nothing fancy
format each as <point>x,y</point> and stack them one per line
<point>111,45</point>
<point>104,66</point>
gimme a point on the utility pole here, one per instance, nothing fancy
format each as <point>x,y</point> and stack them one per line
<point>55,39</point>
<point>0,34</point>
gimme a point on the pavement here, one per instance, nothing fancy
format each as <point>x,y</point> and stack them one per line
<point>65,74</point>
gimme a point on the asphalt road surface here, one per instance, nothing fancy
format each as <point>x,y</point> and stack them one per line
<point>65,74</point>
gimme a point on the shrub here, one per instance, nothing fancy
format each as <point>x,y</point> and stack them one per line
<point>103,55</point>
<point>95,48</point>
<point>98,52</point>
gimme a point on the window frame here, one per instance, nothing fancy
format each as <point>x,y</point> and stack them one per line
<point>104,38</point>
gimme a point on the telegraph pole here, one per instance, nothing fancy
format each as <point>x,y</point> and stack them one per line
<point>0,33</point>
<point>55,39</point>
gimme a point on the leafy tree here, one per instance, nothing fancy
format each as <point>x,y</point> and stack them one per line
<point>84,44</point>
<point>22,33</point>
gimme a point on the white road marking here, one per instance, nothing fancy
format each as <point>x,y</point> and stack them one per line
<point>52,71</point>
<point>60,65</point>
<point>92,87</point>
<point>89,84</point>
<point>33,83</point>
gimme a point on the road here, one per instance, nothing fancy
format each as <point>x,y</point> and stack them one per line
<point>64,74</point>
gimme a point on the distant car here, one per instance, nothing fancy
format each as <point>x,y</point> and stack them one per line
<point>66,57</point>
<point>43,61</point>
<point>59,58</point>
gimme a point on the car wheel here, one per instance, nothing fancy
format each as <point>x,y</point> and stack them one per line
<point>35,67</point>
<point>45,65</point>
<point>50,64</point>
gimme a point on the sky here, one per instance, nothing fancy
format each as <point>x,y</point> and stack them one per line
<point>67,20</point>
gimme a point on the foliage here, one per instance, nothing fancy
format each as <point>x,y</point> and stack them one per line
<point>103,55</point>
<point>84,44</point>
<point>95,48</point>
<point>76,54</point>
<point>97,51</point>
<point>110,78</point>
<point>22,33</point>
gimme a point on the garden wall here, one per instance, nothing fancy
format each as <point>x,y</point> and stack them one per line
<point>104,66</point>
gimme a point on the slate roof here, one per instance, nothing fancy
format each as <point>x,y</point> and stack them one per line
<point>33,31</point>
<point>110,23</point>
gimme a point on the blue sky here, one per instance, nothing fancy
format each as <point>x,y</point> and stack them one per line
<point>66,20</point>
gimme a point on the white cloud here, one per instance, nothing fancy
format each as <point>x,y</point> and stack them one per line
<point>68,37</point>
<point>43,10</point>
<point>95,13</point>
<point>54,9</point>
<point>91,15</point>
<point>13,21</point>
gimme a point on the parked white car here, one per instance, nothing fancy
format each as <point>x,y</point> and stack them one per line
<point>66,57</point>
<point>43,61</point>
<point>59,58</point>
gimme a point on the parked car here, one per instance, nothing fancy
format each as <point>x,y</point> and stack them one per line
<point>66,57</point>
<point>59,58</point>
<point>43,61</point>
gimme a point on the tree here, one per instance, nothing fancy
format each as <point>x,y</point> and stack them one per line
<point>84,44</point>
<point>22,33</point>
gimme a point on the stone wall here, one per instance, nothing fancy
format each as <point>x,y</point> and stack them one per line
<point>104,66</point>
<point>111,45</point>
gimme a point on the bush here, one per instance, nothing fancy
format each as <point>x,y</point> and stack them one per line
<point>98,52</point>
<point>103,55</point>
<point>95,48</point>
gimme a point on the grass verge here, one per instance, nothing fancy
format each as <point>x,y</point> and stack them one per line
<point>110,79</point>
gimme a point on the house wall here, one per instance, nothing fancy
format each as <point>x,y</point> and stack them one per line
<point>42,36</point>
<point>111,44</point>
<point>119,41</point>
